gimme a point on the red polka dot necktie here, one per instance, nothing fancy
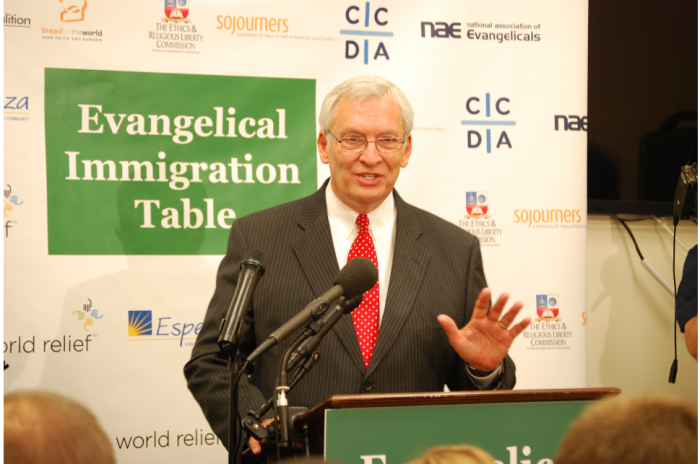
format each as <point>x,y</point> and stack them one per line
<point>366,316</point>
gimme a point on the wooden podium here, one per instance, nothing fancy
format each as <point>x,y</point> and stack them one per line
<point>513,425</point>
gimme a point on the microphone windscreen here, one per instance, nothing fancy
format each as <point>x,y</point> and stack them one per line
<point>358,276</point>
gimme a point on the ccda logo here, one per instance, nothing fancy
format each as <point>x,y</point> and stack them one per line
<point>475,107</point>
<point>354,16</point>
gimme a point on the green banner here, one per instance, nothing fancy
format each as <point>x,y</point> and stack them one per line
<point>513,433</point>
<point>162,164</point>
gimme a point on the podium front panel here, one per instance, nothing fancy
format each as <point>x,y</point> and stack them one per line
<point>514,432</point>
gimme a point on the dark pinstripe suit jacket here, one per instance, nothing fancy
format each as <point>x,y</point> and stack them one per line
<point>437,269</point>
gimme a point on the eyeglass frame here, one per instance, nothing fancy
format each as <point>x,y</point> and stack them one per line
<point>403,141</point>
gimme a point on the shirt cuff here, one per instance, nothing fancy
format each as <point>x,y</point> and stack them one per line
<point>483,382</point>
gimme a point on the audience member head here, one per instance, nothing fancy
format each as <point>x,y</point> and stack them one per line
<point>636,431</point>
<point>361,89</point>
<point>43,427</point>
<point>457,454</point>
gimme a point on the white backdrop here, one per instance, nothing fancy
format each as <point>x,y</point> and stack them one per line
<point>486,90</point>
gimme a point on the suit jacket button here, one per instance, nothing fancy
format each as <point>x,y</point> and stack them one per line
<point>367,386</point>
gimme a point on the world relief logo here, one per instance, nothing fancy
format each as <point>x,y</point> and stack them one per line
<point>366,21</point>
<point>478,222</point>
<point>488,120</point>
<point>549,330</point>
<point>88,315</point>
<point>153,178</point>
<point>10,202</point>
<point>142,326</point>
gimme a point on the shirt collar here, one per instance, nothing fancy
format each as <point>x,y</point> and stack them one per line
<point>342,218</point>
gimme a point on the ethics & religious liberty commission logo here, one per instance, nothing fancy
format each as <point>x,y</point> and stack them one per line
<point>176,32</point>
<point>548,331</point>
<point>143,326</point>
<point>478,222</point>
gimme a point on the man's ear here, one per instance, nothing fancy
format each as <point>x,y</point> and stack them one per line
<point>322,144</point>
<point>407,151</point>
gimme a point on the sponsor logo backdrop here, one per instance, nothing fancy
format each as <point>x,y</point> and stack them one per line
<point>130,150</point>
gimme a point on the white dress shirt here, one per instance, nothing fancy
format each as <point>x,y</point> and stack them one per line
<point>382,228</point>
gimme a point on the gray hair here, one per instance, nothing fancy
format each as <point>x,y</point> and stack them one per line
<point>364,88</point>
<point>43,427</point>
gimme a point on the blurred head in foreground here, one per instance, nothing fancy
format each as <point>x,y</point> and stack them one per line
<point>457,454</point>
<point>636,431</point>
<point>43,427</point>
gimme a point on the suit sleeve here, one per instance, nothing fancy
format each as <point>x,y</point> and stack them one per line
<point>476,280</point>
<point>208,377</point>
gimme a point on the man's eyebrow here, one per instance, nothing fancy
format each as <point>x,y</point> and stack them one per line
<point>352,129</point>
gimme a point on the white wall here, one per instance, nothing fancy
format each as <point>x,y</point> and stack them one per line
<point>630,316</point>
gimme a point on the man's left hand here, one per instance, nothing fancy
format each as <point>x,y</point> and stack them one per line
<point>485,340</point>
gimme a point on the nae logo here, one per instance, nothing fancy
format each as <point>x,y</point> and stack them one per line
<point>73,10</point>
<point>141,328</point>
<point>573,122</point>
<point>441,30</point>
<point>88,315</point>
<point>548,308</point>
<point>356,17</point>
<point>476,107</point>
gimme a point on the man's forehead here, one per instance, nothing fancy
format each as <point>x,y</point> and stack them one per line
<point>357,115</point>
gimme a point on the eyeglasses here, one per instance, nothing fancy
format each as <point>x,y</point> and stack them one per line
<point>357,144</point>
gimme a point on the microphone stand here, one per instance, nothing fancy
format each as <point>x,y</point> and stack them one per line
<point>308,353</point>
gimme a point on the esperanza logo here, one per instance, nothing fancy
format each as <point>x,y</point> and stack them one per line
<point>549,218</point>
<point>166,329</point>
<point>354,16</point>
<point>475,106</point>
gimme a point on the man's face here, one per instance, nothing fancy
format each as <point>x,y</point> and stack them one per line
<point>363,180</point>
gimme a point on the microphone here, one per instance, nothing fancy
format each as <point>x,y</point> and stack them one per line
<point>251,270</point>
<point>341,307</point>
<point>358,276</point>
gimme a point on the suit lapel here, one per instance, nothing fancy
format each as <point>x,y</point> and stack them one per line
<point>407,273</point>
<point>316,254</point>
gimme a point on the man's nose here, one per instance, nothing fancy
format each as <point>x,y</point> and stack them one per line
<point>370,155</point>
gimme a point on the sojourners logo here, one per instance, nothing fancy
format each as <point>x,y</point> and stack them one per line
<point>549,218</point>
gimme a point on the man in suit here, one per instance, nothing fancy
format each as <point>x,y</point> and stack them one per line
<point>431,279</point>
